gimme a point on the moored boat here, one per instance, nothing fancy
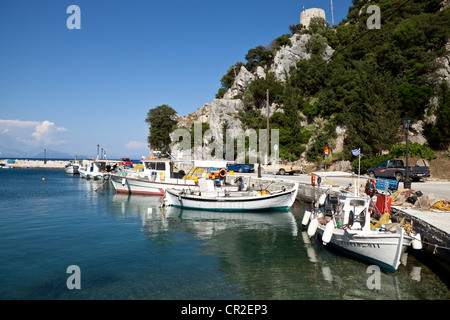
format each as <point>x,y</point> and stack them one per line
<point>160,174</point>
<point>344,222</point>
<point>72,167</point>
<point>225,200</point>
<point>98,169</point>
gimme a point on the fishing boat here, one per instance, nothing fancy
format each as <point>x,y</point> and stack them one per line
<point>344,221</point>
<point>97,169</point>
<point>72,167</point>
<point>159,174</point>
<point>4,166</point>
<point>225,200</point>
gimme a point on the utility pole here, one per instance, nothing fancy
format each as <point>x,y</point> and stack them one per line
<point>332,14</point>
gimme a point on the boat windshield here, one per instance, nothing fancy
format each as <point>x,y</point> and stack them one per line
<point>357,203</point>
<point>160,166</point>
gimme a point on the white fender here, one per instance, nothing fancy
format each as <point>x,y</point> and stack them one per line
<point>306,217</point>
<point>328,233</point>
<point>124,181</point>
<point>417,242</point>
<point>313,227</point>
<point>322,199</point>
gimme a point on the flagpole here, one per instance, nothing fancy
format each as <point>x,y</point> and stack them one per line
<point>359,166</point>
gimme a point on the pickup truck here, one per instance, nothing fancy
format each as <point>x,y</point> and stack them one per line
<point>279,168</point>
<point>395,169</point>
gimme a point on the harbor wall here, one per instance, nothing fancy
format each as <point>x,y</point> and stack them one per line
<point>36,164</point>
<point>435,242</point>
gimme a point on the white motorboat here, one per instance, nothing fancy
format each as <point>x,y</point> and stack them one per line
<point>97,169</point>
<point>159,174</point>
<point>225,200</point>
<point>4,166</point>
<point>344,221</point>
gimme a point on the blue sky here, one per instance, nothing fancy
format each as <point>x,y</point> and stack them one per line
<point>70,90</point>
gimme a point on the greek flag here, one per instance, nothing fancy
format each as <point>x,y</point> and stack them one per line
<point>356,152</point>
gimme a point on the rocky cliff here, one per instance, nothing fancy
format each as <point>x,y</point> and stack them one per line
<point>286,57</point>
<point>218,111</point>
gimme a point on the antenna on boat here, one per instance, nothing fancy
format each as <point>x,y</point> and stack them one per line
<point>171,156</point>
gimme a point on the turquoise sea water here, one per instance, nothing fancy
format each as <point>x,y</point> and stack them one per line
<point>124,251</point>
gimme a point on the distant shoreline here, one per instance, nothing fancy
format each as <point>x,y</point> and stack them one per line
<point>38,163</point>
<point>56,159</point>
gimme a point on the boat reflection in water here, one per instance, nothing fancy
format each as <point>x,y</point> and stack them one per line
<point>258,255</point>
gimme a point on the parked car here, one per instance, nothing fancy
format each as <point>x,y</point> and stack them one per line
<point>279,168</point>
<point>240,168</point>
<point>395,169</point>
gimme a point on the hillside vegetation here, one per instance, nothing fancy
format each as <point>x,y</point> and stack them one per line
<point>373,78</point>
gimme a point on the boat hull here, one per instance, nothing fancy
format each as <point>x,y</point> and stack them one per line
<point>280,201</point>
<point>381,248</point>
<point>72,169</point>
<point>93,175</point>
<point>147,187</point>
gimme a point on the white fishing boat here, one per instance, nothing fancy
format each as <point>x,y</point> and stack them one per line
<point>159,174</point>
<point>344,222</point>
<point>225,200</point>
<point>72,167</point>
<point>97,169</point>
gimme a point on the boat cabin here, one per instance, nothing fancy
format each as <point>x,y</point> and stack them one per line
<point>348,211</point>
<point>159,168</point>
<point>164,170</point>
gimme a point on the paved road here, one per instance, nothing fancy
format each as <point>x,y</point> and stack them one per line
<point>441,188</point>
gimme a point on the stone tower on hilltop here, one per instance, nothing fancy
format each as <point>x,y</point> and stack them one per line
<point>308,14</point>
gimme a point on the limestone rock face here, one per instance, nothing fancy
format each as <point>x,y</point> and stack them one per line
<point>240,83</point>
<point>215,113</point>
<point>288,56</point>
<point>444,70</point>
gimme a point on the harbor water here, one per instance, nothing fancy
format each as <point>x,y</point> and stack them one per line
<point>128,247</point>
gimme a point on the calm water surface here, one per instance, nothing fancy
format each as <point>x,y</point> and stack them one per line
<point>126,252</point>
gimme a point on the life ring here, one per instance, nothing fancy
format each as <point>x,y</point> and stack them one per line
<point>313,180</point>
<point>223,173</point>
<point>371,188</point>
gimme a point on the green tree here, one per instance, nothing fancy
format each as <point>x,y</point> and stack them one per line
<point>228,79</point>
<point>258,56</point>
<point>161,121</point>
<point>438,133</point>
